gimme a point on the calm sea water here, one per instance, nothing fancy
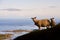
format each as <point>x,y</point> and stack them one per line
<point>2,28</point>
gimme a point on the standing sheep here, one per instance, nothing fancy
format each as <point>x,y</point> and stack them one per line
<point>41,23</point>
<point>52,22</point>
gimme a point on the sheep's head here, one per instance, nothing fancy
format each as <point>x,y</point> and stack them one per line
<point>52,18</point>
<point>33,18</point>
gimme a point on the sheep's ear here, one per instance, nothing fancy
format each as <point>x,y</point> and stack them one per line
<point>31,18</point>
<point>34,17</point>
<point>52,18</point>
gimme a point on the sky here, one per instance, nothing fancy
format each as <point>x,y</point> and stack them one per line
<point>29,8</point>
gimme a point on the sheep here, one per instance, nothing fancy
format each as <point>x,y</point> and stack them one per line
<point>48,34</point>
<point>41,23</point>
<point>52,23</point>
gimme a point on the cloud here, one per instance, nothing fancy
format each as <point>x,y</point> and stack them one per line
<point>11,9</point>
<point>14,9</point>
<point>52,6</point>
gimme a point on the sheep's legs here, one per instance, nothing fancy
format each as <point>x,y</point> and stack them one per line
<point>39,28</point>
<point>48,27</point>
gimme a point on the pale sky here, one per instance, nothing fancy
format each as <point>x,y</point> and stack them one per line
<point>29,8</point>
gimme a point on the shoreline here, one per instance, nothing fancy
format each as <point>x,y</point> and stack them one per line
<point>10,34</point>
